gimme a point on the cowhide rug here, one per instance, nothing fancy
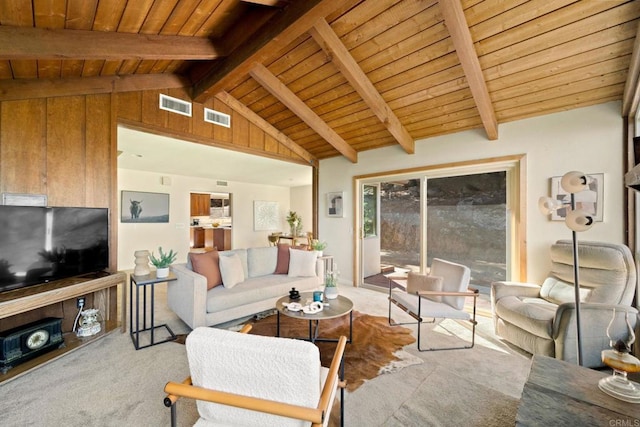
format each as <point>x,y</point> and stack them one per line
<point>375,348</point>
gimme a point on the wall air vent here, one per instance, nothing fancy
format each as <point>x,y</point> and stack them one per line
<point>222,183</point>
<point>175,105</point>
<point>217,118</point>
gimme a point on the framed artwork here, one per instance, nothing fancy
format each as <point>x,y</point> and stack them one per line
<point>140,207</point>
<point>265,215</point>
<point>334,204</point>
<point>590,200</point>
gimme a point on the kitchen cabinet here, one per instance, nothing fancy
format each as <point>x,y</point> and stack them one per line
<point>207,237</point>
<point>219,238</point>
<point>200,204</point>
<point>197,237</point>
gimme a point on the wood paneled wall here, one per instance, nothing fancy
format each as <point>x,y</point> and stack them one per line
<point>139,110</point>
<point>64,148</point>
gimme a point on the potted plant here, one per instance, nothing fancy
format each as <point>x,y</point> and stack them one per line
<point>318,246</point>
<point>331,284</point>
<point>163,261</point>
<point>295,223</point>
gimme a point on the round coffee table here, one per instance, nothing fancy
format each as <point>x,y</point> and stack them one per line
<point>333,308</point>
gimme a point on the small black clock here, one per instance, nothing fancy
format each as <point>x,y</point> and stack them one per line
<point>28,341</point>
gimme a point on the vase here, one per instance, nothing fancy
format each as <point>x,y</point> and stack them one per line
<point>318,254</point>
<point>331,292</point>
<point>163,272</point>
<point>142,263</point>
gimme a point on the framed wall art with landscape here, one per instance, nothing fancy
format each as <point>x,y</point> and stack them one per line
<point>140,207</point>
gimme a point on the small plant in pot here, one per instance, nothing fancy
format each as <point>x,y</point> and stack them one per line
<point>163,261</point>
<point>331,284</point>
<point>318,246</point>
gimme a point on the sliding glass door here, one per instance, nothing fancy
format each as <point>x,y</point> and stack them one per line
<point>466,222</point>
<point>462,214</point>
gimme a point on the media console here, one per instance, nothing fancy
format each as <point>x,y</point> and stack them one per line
<point>101,286</point>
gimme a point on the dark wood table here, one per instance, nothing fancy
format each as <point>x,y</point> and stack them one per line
<point>558,393</point>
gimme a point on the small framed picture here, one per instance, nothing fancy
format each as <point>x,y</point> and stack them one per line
<point>590,200</point>
<point>138,206</point>
<point>334,204</point>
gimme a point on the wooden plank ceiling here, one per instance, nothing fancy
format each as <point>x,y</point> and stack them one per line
<point>336,77</point>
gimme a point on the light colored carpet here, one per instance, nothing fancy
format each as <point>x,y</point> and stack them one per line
<point>109,383</point>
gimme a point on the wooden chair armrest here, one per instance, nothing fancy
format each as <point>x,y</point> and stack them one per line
<point>471,293</point>
<point>313,415</point>
<point>405,277</point>
<point>246,328</point>
<point>170,399</point>
<point>332,377</point>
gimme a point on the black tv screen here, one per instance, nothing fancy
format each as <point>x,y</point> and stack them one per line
<point>41,244</point>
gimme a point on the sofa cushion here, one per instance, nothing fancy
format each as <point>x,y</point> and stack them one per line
<point>533,315</point>
<point>207,264</point>
<point>231,270</point>
<point>302,263</point>
<point>257,289</point>
<point>282,264</point>
<point>262,261</point>
<point>242,253</point>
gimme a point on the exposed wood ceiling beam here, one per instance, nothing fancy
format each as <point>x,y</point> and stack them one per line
<point>286,26</point>
<point>267,127</point>
<point>324,35</point>
<point>41,43</point>
<point>631,94</point>
<point>456,24</point>
<point>278,89</point>
<point>43,88</point>
<point>273,3</point>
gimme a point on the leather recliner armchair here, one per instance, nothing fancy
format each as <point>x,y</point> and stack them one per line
<point>540,319</point>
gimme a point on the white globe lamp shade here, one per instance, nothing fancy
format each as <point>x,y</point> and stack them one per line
<point>579,220</point>
<point>574,182</point>
<point>548,205</point>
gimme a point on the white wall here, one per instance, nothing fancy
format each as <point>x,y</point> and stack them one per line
<point>302,204</point>
<point>175,234</point>
<point>588,139</point>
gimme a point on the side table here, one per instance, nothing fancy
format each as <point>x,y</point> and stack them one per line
<point>146,281</point>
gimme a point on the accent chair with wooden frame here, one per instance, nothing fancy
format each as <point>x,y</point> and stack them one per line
<point>248,380</point>
<point>439,295</point>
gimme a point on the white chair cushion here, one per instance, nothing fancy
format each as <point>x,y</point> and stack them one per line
<point>428,308</point>
<point>280,369</point>
<point>421,282</point>
<point>456,279</point>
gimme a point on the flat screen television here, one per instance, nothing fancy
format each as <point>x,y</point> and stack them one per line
<point>41,244</point>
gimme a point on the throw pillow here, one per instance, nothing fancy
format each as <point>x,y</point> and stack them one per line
<point>231,270</point>
<point>302,263</point>
<point>207,265</point>
<point>282,264</point>
<point>420,282</point>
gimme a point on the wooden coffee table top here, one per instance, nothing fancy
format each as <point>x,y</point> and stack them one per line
<point>337,307</point>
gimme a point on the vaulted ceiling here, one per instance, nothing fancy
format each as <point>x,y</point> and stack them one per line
<point>335,77</point>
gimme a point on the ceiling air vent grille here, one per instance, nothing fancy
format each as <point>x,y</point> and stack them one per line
<point>217,118</point>
<point>175,105</point>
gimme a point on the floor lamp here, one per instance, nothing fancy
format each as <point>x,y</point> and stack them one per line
<point>577,220</point>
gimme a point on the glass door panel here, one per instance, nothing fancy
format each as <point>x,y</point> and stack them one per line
<point>467,222</point>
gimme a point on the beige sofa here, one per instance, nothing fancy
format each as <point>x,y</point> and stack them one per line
<point>259,290</point>
<point>541,318</point>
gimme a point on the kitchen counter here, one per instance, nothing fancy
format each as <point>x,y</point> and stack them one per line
<point>203,236</point>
